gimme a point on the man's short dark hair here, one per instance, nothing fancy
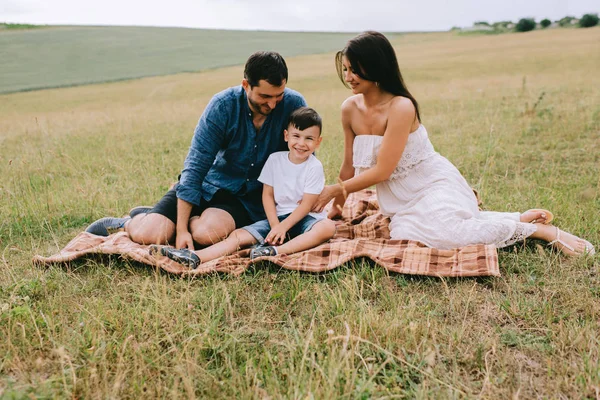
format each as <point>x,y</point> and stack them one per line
<point>267,65</point>
<point>305,117</point>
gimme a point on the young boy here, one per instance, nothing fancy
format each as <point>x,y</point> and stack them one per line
<point>292,181</point>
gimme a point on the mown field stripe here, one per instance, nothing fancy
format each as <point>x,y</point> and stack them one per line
<point>69,56</point>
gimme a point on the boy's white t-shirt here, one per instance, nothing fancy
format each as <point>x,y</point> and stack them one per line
<point>290,181</point>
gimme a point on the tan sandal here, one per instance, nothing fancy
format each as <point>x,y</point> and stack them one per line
<point>549,215</point>
<point>589,248</point>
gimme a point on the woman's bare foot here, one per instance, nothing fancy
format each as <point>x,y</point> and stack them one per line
<point>537,215</point>
<point>567,243</point>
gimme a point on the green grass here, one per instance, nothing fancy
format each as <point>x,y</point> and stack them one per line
<point>9,26</point>
<point>106,327</point>
<point>68,56</point>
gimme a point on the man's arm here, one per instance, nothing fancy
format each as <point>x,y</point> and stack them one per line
<point>183,237</point>
<point>209,137</point>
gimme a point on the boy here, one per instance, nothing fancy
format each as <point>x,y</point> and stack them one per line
<point>292,181</point>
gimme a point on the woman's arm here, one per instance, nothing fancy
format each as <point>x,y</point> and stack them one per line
<point>347,169</point>
<point>400,119</point>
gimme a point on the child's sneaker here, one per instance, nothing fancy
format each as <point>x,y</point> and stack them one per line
<point>181,256</point>
<point>263,251</point>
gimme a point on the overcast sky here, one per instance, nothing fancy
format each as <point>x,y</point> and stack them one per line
<point>290,15</point>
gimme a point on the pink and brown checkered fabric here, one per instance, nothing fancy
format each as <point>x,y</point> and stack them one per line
<point>363,232</point>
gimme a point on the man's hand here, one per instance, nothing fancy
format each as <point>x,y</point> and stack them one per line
<point>277,235</point>
<point>184,241</point>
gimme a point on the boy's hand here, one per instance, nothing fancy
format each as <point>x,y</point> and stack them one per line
<point>277,235</point>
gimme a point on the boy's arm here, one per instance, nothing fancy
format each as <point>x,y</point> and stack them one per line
<point>306,204</point>
<point>277,233</point>
<point>268,200</point>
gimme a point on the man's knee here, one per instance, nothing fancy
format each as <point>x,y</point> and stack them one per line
<point>211,227</point>
<point>151,229</point>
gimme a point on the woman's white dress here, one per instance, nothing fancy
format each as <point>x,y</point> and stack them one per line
<point>428,200</point>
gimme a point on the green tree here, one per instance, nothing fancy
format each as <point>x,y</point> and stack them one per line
<point>545,23</point>
<point>525,25</point>
<point>588,20</point>
<point>501,25</point>
<point>565,21</point>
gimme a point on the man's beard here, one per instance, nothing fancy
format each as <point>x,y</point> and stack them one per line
<point>257,108</point>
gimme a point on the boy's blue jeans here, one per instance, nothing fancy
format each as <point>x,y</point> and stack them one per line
<point>261,229</point>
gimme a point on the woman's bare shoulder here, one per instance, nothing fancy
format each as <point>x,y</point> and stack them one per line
<point>350,103</point>
<point>402,104</point>
<point>402,113</point>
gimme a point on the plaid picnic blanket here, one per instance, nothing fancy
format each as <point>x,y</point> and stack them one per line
<point>362,233</point>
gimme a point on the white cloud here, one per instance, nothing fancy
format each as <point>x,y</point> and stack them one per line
<point>12,7</point>
<point>311,15</point>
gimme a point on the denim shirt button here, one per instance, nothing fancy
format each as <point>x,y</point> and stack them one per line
<point>252,165</point>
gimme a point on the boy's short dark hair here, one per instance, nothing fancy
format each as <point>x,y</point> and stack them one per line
<point>267,65</point>
<point>305,117</point>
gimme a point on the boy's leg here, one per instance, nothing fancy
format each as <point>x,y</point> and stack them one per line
<point>320,232</point>
<point>239,239</point>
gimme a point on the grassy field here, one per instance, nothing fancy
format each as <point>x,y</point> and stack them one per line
<point>519,114</point>
<point>68,56</point>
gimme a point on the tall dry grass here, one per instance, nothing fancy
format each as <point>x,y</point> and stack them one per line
<point>519,114</point>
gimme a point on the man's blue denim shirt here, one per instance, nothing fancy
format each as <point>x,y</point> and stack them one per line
<point>227,152</point>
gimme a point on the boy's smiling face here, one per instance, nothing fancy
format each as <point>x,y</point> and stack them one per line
<point>302,143</point>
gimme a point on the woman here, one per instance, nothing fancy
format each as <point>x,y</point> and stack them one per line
<point>425,196</point>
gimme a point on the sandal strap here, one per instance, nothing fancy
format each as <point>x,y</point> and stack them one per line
<point>558,240</point>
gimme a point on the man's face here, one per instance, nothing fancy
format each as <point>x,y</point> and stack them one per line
<point>302,143</point>
<point>264,97</point>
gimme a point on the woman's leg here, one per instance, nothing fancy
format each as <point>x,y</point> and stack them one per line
<point>549,233</point>
<point>321,232</point>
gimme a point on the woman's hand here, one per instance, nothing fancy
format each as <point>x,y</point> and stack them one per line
<point>334,213</point>
<point>328,193</point>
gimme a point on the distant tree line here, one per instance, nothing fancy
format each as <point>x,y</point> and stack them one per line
<point>529,24</point>
<point>8,25</point>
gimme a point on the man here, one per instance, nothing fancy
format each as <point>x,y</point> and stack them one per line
<point>218,190</point>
